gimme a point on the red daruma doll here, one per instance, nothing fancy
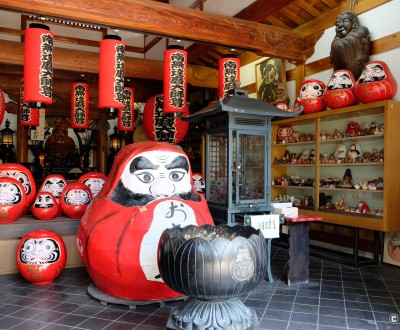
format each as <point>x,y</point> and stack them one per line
<point>376,83</point>
<point>340,91</point>
<point>311,96</point>
<point>148,190</point>
<point>41,256</point>
<point>54,184</point>
<point>45,206</point>
<point>75,198</point>
<point>12,200</point>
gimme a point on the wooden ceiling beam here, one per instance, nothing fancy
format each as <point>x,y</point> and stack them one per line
<point>256,12</point>
<point>172,21</point>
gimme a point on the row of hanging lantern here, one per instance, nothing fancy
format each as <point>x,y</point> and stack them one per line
<point>114,96</point>
<point>36,87</point>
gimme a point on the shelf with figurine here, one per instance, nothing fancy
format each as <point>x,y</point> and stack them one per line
<point>358,137</point>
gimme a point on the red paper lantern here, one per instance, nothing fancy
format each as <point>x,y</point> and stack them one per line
<point>111,73</point>
<point>175,77</point>
<point>160,127</point>
<point>27,116</point>
<point>228,74</point>
<point>41,256</point>
<point>38,65</point>
<point>126,114</point>
<point>2,106</point>
<point>80,105</point>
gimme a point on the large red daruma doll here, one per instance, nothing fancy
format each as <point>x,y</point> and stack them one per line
<point>311,96</point>
<point>148,190</point>
<point>376,83</point>
<point>340,91</point>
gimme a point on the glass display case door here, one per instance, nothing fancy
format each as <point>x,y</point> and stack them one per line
<point>249,173</point>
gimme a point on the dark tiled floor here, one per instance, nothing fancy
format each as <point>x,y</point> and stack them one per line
<point>336,297</point>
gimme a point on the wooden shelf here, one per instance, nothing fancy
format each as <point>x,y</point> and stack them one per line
<point>386,200</point>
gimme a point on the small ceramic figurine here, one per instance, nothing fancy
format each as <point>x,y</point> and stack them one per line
<point>354,152</point>
<point>340,90</point>
<point>41,256</point>
<point>362,207</point>
<point>376,83</point>
<point>341,151</point>
<point>353,129</point>
<point>340,205</point>
<point>311,96</point>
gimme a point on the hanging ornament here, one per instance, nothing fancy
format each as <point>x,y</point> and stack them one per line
<point>161,127</point>
<point>111,73</point>
<point>126,114</point>
<point>38,65</point>
<point>80,104</point>
<point>228,74</point>
<point>27,116</point>
<point>2,106</point>
<point>175,77</point>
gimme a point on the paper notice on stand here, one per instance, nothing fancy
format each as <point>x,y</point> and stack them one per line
<point>38,133</point>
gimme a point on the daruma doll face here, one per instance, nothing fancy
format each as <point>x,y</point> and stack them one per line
<point>41,256</point>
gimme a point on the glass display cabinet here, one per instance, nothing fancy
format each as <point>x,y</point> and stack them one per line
<point>238,155</point>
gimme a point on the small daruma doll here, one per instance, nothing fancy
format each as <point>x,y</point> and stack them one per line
<point>41,256</point>
<point>45,206</point>
<point>94,180</point>
<point>311,96</point>
<point>376,83</point>
<point>148,190</point>
<point>340,90</point>
<point>54,184</point>
<point>75,198</point>
<point>199,183</point>
<point>12,200</point>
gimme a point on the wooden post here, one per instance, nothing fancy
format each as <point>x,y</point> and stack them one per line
<point>22,143</point>
<point>102,153</point>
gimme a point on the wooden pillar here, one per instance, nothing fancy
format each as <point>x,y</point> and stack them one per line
<point>22,144</point>
<point>300,73</point>
<point>102,153</point>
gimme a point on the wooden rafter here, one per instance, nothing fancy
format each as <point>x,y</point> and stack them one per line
<point>171,21</point>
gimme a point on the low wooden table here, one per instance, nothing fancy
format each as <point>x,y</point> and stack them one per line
<point>299,249</point>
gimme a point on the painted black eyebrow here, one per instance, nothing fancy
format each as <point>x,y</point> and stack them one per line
<point>178,162</point>
<point>142,163</point>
